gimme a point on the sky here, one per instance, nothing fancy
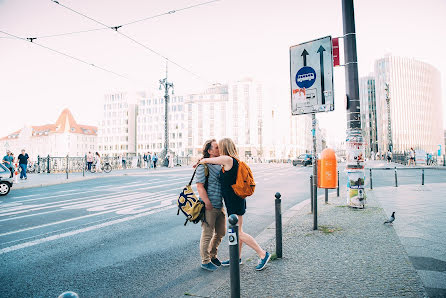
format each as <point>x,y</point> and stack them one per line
<point>216,42</point>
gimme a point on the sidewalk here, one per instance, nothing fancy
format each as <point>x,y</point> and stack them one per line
<point>43,179</point>
<point>353,254</point>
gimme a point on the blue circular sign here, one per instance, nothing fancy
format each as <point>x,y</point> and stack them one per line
<point>305,77</point>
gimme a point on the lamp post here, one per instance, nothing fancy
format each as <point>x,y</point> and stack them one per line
<point>166,85</point>
<point>389,123</point>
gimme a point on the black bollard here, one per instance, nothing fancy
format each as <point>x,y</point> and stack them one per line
<point>234,258</point>
<point>337,189</point>
<point>311,192</point>
<point>371,179</point>
<point>278,202</point>
<point>396,178</point>
<point>326,196</point>
<point>315,204</point>
<point>422,177</point>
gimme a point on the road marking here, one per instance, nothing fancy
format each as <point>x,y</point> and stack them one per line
<point>123,209</point>
<point>75,232</point>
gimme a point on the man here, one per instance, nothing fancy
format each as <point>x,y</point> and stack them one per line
<point>90,159</point>
<point>389,156</point>
<point>23,164</point>
<point>154,160</point>
<point>213,230</point>
<point>149,160</point>
<point>8,161</point>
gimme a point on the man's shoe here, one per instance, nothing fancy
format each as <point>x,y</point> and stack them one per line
<point>226,263</point>
<point>216,262</point>
<point>209,266</point>
<point>263,262</point>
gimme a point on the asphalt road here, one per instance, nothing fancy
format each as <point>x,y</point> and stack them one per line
<point>120,236</point>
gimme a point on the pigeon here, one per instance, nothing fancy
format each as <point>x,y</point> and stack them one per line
<point>391,219</point>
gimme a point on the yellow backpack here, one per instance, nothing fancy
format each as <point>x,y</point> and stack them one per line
<point>192,207</point>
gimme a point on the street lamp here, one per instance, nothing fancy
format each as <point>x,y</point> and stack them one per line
<point>164,83</point>
<point>389,123</point>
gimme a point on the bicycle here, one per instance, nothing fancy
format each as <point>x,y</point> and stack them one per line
<point>106,167</point>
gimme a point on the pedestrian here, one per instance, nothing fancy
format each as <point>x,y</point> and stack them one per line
<point>124,162</point>
<point>23,164</point>
<point>389,156</point>
<point>377,155</point>
<point>154,160</point>
<point>8,161</point>
<point>171,161</point>
<point>90,159</point>
<point>145,159</point>
<point>228,159</point>
<point>411,156</point>
<point>213,229</point>
<point>149,159</point>
<point>98,162</point>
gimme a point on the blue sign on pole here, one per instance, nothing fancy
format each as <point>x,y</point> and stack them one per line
<point>439,150</point>
<point>305,77</point>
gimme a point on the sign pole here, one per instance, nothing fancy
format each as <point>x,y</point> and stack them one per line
<point>355,141</point>
<point>313,118</point>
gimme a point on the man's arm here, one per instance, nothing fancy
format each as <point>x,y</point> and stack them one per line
<point>204,196</point>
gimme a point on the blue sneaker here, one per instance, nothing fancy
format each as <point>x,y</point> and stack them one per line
<point>226,263</point>
<point>263,262</point>
<point>209,266</point>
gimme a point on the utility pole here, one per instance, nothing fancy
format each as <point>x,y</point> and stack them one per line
<point>389,123</point>
<point>166,85</point>
<point>355,141</point>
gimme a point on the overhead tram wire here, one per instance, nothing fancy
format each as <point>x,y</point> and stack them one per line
<point>125,24</point>
<point>115,28</point>
<point>31,40</point>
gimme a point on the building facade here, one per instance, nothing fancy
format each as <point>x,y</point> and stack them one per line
<point>65,137</point>
<point>369,127</point>
<point>117,128</point>
<point>415,105</point>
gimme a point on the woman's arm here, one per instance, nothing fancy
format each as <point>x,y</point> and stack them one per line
<point>224,160</point>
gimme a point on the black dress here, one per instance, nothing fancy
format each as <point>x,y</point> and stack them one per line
<point>234,204</point>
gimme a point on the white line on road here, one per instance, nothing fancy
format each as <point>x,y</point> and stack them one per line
<point>127,208</point>
<point>71,233</point>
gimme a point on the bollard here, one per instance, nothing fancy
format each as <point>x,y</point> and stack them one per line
<point>234,258</point>
<point>326,196</point>
<point>422,177</point>
<point>48,164</point>
<point>311,192</point>
<point>396,178</point>
<point>314,204</point>
<point>337,189</point>
<point>278,202</point>
<point>444,160</point>
<point>371,179</point>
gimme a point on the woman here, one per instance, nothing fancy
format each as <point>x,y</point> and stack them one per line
<point>228,159</point>
<point>98,163</point>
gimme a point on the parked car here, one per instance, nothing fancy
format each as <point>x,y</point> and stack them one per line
<point>304,160</point>
<point>5,180</point>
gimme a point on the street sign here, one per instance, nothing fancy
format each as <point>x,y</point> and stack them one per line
<point>311,75</point>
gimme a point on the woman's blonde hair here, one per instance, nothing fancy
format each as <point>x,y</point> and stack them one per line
<point>227,147</point>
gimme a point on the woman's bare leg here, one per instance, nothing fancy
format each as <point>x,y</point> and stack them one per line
<point>248,240</point>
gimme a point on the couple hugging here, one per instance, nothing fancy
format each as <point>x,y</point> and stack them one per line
<point>222,161</point>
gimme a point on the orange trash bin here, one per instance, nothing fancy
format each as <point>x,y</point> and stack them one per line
<point>327,176</point>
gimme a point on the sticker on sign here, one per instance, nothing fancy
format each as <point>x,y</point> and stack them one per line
<point>311,74</point>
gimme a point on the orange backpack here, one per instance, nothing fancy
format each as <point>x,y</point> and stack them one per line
<point>244,184</point>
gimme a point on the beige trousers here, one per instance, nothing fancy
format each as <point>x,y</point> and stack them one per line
<point>212,231</point>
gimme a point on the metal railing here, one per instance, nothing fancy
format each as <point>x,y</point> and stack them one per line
<point>72,164</point>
